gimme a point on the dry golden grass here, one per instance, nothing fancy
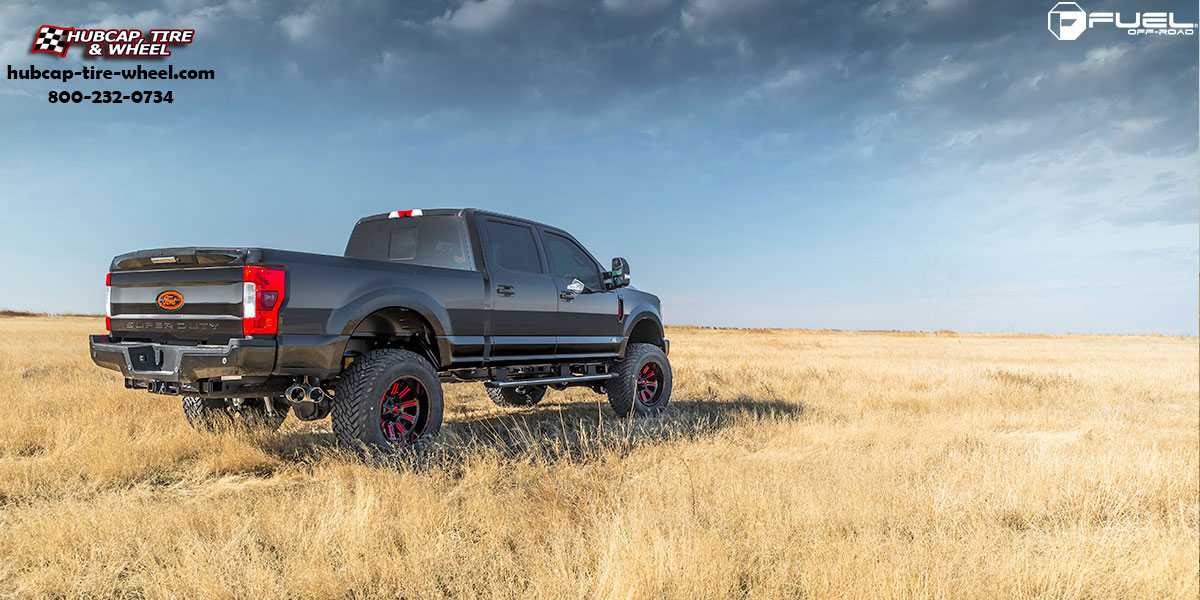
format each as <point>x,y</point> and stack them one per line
<point>794,465</point>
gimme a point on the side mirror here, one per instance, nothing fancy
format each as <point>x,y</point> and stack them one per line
<point>619,276</point>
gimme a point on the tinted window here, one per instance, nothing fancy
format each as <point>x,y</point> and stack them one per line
<point>567,259</point>
<point>403,244</point>
<point>435,241</point>
<point>513,247</point>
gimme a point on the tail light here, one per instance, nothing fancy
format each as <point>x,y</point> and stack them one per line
<point>108,302</point>
<point>262,293</point>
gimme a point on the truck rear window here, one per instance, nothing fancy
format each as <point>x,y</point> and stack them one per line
<point>433,241</point>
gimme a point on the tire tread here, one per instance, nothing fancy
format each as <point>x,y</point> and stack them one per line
<point>620,388</point>
<point>349,414</point>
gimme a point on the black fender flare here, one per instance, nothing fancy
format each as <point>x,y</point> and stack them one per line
<point>642,314</point>
<point>347,318</point>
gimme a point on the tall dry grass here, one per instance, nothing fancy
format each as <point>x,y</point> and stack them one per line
<point>794,465</point>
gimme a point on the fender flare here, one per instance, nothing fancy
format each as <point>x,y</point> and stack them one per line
<point>643,314</point>
<point>347,318</point>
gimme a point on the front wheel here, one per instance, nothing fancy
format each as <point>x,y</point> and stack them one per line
<point>643,382</point>
<point>388,401</point>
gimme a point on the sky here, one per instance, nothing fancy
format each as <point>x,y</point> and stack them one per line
<point>892,164</point>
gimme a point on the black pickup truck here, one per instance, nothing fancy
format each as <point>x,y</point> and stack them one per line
<point>247,335</point>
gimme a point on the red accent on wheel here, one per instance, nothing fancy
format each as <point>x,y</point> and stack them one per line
<point>648,385</point>
<point>394,415</point>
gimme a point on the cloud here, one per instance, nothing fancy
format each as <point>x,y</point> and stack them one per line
<point>872,130</point>
<point>930,82</point>
<point>299,25</point>
<point>902,83</point>
<point>792,78</point>
<point>13,21</point>
<point>140,20</point>
<point>712,14</point>
<point>478,16</point>
<point>636,8</point>
<point>1100,58</point>
<point>1083,184</point>
<point>389,64</point>
<point>990,133</point>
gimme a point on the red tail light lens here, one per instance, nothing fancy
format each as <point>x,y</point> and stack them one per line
<point>108,301</point>
<point>263,291</point>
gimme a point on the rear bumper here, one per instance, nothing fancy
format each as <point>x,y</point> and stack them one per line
<point>183,364</point>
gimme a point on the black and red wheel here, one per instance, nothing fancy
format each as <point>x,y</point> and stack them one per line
<point>404,410</point>
<point>650,383</point>
<point>388,401</point>
<point>643,382</point>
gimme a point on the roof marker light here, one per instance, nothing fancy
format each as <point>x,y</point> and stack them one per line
<point>396,214</point>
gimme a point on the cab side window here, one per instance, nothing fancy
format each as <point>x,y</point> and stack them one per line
<point>568,260</point>
<point>513,247</point>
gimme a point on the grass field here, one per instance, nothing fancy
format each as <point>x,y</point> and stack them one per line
<point>794,465</point>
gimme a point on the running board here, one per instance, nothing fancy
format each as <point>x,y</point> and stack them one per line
<point>549,380</point>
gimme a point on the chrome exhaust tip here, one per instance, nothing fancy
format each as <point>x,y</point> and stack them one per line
<point>295,393</point>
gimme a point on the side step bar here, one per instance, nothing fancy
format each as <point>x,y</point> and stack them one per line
<point>549,380</point>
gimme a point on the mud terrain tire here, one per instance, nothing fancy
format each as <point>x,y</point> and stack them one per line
<point>388,401</point>
<point>643,382</point>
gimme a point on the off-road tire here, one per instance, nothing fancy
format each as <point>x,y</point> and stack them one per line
<point>522,396</point>
<point>210,415</point>
<point>357,401</point>
<point>623,389</point>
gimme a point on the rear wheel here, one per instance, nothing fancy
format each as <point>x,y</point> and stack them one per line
<point>526,395</point>
<point>643,382</point>
<point>243,414</point>
<point>388,401</point>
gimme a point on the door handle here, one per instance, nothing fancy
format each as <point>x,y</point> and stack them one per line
<point>506,290</point>
<point>565,295</point>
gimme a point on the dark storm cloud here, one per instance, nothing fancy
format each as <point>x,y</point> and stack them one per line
<point>947,81</point>
<point>970,57</point>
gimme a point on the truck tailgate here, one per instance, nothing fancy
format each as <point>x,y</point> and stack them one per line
<point>183,295</point>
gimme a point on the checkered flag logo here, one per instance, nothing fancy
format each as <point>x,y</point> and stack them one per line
<point>52,39</point>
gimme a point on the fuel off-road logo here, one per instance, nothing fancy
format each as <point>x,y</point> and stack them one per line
<point>111,43</point>
<point>1067,21</point>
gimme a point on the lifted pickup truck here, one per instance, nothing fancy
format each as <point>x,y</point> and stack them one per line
<point>247,335</point>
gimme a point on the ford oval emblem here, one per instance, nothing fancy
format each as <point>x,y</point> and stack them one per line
<point>170,300</point>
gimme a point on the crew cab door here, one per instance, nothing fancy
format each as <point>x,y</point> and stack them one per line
<point>588,323</point>
<point>523,298</point>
